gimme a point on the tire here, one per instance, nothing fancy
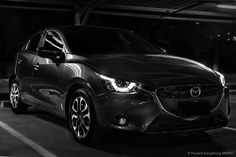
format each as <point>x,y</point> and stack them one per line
<point>82,119</point>
<point>15,98</point>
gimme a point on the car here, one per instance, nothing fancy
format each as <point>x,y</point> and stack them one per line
<point>102,78</point>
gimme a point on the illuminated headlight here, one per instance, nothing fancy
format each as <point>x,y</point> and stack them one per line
<point>221,77</point>
<point>118,85</point>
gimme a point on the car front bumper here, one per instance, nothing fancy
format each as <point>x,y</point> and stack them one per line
<point>144,112</point>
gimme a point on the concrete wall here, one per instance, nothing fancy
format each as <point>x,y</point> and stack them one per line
<point>16,26</point>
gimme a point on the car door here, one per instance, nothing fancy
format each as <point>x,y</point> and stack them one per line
<point>47,78</point>
<point>24,66</point>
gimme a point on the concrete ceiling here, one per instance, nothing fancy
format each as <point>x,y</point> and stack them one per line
<point>202,10</point>
<point>197,10</point>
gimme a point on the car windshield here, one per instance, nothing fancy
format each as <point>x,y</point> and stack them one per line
<point>96,42</point>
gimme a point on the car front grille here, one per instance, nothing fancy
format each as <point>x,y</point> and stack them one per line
<point>184,91</point>
<point>180,101</point>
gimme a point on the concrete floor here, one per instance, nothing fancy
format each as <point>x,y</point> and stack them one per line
<point>41,134</point>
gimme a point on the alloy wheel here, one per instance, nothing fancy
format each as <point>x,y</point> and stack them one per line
<point>14,95</point>
<point>80,117</point>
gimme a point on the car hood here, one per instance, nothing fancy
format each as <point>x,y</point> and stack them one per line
<point>157,70</point>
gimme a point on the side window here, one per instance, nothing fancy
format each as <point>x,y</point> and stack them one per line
<point>53,42</point>
<point>33,43</point>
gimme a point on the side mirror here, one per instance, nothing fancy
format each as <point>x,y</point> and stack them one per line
<point>53,55</point>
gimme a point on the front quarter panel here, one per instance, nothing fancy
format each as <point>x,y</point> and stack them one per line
<point>82,75</point>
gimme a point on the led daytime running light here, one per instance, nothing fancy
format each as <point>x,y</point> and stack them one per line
<point>114,85</point>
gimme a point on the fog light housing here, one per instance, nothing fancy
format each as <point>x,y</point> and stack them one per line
<point>122,121</point>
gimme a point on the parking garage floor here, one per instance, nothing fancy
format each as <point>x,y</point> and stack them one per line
<point>41,134</point>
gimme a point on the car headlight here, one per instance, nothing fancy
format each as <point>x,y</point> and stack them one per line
<point>118,85</point>
<point>221,77</point>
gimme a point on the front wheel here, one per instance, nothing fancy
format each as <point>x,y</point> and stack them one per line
<point>82,118</point>
<point>16,105</point>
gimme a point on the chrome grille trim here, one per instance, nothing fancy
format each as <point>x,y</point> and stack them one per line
<point>183,91</point>
<point>219,99</point>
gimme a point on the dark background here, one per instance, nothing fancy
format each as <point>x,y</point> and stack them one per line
<point>17,25</point>
<point>212,43</point>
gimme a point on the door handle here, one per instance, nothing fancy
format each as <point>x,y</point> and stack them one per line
<point>36,66</point>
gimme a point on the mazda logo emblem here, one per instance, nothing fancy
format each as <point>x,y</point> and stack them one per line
<point>195,91</point>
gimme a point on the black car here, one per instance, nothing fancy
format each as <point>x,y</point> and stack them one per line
<point>101,78</point>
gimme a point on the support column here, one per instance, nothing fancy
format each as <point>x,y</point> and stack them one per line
<point>77,16</point>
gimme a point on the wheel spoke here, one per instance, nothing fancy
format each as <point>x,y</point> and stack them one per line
<point>78,132</point>
<point>87,115</point>
<point>74,121</point>
<point>85,112</point>
<point>15,88</point>
<point>85,107</point>
<point>80,103</point>
<point>17,92</point>
<point>74,117</point>
<point>81,132</point>
<point>86,126</point>
<point>75,106</point>
<point>15,101</point>
<point>76,124</point>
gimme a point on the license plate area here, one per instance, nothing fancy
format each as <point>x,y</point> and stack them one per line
<point>194,108</point>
